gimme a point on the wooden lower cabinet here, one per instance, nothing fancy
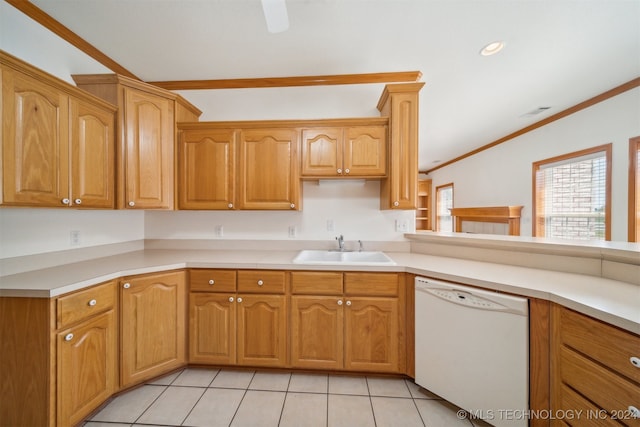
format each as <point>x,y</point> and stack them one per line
<point>593,370</point>
<point>262,330</point>
<point>152,327</point>
<point>86,367</point>
<point>212,328</point>
<point>230,328</point>
<point>348,331</point>
<point>317,336</point>
<point>371,334</point>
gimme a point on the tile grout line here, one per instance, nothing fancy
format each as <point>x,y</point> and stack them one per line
<point>373,412</point>
<point>241,400</point>
<point>200,398</point>
<point>284,402</point>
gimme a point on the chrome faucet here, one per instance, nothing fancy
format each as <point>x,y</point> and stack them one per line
<point>340,243</point>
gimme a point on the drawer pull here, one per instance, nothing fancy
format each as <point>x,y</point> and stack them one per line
<point>212,282</point>
<point>260,283</point>
<point>635,361</point>
<point>635,412</point>
<point>92,303</point>
<point>68,337</point>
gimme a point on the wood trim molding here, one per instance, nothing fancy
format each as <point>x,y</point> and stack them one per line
<point>562,114</point>
<point>264,82</point>
<point>500,214</point>
<point>634,191</point>
<point>47,21</point>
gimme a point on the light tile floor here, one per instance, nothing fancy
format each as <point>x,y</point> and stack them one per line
<point>212,398</point>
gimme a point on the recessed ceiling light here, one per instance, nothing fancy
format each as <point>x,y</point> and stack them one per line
<point>492,48</point>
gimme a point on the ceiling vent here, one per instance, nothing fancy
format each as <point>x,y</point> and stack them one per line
<point>535,112</point>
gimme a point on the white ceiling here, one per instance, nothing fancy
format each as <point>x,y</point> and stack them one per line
<point>558,52</point>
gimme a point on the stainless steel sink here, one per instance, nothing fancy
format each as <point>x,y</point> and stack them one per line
<point>343,258</point>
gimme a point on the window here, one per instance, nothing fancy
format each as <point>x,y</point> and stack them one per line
<point>634,189</point>
<point>444,204</point>
<point>572,195</point>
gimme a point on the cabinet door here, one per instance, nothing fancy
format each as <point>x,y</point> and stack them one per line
<point>262,330</point>
<point>317,332</point>
<point>153,313</point>
<point>401,189</point>
<point>35,142</point>
<point>92,155</point>
<point>322,152</point>
<point>86,368</point>
<point>365,151</point>
<point>212,328</point>
<point>371,334</point>
<point>206,173</point>
<point>269,169</point>
<point>149,129</point>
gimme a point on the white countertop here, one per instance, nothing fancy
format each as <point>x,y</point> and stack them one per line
<point>612,301</point>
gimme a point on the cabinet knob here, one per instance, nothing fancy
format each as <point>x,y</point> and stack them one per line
<point>339,171</point>
<point>132,204</point>
<point>92,303</point>
<point>339,302</point>
<point>346,170</point>
<point>230,299</point>
<point>260,283</point>
<point>633,411</point>
<point>65,201</point>
<point>348,303</point>
<point>78,201</point>
<point>230,205</point>
<point>126,285</point>
<point>293,205</point>
<point>239,299</point>
<point>212,282</point>
<point>396,203</point>
<point>635,361</point>
<point>68,337</point>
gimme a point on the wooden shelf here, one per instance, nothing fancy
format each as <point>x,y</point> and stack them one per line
<point>423,211</point>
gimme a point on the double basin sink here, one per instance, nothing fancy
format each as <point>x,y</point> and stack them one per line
<point>343,258</point>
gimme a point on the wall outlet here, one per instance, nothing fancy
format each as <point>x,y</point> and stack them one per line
<point>330,226</point>
<point>74,237</point>
<point>402,225</point>
<point>293,232</point>
<point>219,231</point>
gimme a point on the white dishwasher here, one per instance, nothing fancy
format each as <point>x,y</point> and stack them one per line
<point>472,349</point>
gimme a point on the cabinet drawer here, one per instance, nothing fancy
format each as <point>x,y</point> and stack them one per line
<point>371,284</point>
<point>316,282</point>
<point>260,281</point>
<point>84,304</point>
<point>575,405</point>
<point>212,280</point>
<point>607,344</point>
<point>607,390</point>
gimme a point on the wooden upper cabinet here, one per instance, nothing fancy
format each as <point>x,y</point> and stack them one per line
<point>268,169</point>
<point>35,145</point>
<point>148,129</point>
<point>206,169</point>
<point>57,141</point>
<point>322,152</point>
<point>357,151</point>
<point>146,123</point>
<point>92,155</point>
<point>365,151</point>
<point>399,102</point>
